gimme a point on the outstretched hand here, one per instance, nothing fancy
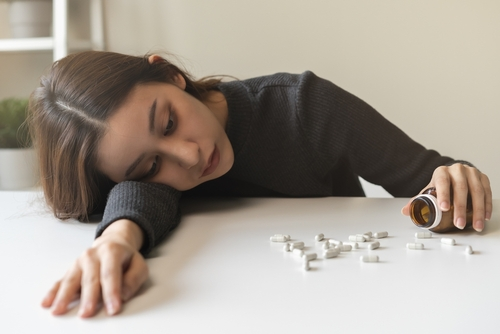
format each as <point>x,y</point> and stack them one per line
<point>462,180</point>
<point>111,271</point>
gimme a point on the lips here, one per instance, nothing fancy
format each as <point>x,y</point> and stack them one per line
<point>213,162</point>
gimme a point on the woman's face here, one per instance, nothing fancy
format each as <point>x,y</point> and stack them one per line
<point>164,135</point>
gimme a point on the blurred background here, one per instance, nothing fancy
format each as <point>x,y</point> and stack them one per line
<point>432,67</point>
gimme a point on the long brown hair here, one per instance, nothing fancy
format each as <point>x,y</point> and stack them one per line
<point>68,117</point>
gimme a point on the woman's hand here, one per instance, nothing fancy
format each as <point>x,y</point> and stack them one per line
<point>464,180</point>
<point>111,271</point>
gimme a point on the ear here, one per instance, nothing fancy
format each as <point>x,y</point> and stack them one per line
<point>154,59</point>
<point>179,81</point>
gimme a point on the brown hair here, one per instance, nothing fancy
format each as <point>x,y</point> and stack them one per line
<point>68,115</point>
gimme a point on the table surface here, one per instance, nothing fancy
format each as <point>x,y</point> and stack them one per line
<point>219,273</point>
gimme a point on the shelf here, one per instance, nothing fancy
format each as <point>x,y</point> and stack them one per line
<point>39,44</point>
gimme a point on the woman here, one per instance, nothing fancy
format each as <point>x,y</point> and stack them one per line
<point>145,129</point>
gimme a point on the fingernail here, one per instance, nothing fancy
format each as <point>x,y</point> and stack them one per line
<point>112,307</point>
<point>84,309</point>
<point>479,225</point>
<point>460,223</point>
<point>487,216</point>
<point>125,294</point>
<point>445,206</point>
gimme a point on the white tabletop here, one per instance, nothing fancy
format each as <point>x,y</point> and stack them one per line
<point>219,273</point>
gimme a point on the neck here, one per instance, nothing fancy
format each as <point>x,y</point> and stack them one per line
<point>216,102</point>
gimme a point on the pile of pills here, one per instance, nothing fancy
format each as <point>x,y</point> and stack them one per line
<point>333,247</point>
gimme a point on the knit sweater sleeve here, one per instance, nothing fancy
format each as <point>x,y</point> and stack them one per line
<point>154,207</point>
<point>339,125</point>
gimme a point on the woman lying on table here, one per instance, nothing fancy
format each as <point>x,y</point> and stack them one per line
<point>130,135</point>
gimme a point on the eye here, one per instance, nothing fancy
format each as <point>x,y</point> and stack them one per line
<point>152,170</point>
<point>170,125</point>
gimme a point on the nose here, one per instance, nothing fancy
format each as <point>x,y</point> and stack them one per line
<point>185,153</point>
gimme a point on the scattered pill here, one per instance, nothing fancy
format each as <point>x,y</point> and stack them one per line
<point>448,241</point>
<point>373,245</point>
<point>310,256</point>
<point>423,235</point>
<point>354,245</point>
<point>345,248</point>
<point>357,238</point>
<point>332,252</point>
<point>298,252</point>
<point>469,250</point>
<point>414,245</point>
<point>369,258</point>
<point>287,236</point>
<point>296,245</point>
<point>326,246</point>
<point>286,248</point>
<point>306,266</point>
<point>367,237</point>
<point>335,242</point>
<point>368,234</point>
<point>380,235</point>
<point>278,238</point>
<point>319,237</point>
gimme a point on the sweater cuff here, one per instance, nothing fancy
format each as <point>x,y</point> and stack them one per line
<point>153,207</point>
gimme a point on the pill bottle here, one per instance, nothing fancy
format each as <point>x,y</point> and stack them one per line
<point>425,213</point>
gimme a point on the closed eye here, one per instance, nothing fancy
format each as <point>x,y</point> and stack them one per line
<point>170,124</point>
<point>152,171</point>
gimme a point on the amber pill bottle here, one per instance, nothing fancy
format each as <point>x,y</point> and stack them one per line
<point>425,213</point>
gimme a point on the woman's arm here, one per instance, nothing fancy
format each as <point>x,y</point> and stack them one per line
<point>112,270</point>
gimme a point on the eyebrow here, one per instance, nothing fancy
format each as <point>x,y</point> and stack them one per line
<point>152,112</point>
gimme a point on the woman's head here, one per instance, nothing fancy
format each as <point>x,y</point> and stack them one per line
<point>70,114</point>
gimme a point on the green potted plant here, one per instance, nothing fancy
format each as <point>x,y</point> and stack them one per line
<point>17,157</point>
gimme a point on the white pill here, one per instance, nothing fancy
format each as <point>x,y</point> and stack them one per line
<point>369,258</point>
<point>296,245</point>
<point>298,252</point>
<point>354,245</point>
<point>368,234</point>
<point>468,250</point>
<point>306,266</point>
<point>319,237</point>
<point>278,238</point>
<point>423,235</point>
<point>367,237</point>
<point>357,238</point>
<point>310,256</point>
<point>286,248</point>
<point>380,235</point>
<point>374,245</point>
<point>287,236</point>
<point>332,252</point>
<point>448,241</point>
<point>414,245</point>
<point>345,248</point>
<point>335,242</point>
<point>326,246</point>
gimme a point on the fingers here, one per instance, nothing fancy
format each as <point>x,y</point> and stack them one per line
<point>488,202</point>
<point>68,289</point>
<point>111,278</point>
<point>51,295</point>
<point>90,284</point>
<point>441,180</point>
<point>135,277</point>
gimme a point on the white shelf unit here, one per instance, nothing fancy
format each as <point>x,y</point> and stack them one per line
<point>59,43</point>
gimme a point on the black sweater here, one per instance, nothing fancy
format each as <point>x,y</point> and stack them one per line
<point>292,135</point>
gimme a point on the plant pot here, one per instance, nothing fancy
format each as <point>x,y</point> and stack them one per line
<point>30,18</point>
<point>17,168</point>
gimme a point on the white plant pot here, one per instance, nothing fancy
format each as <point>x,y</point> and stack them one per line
<point>17,168</point>
<point>30,18</point>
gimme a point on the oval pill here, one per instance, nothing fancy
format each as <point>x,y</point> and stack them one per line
<point>448,241</point>
<point>296,245</point>
<point>332,252</point>
<point>423,235</point>
<point>345,248</point>
<point>369,258</point>
<point>357,238</point>
<point>380,235</point>
<point>373,245</point>
<point>310,256</point>
<point>413,245</point>
<point>354,245</point>
<point>306,266</point>
<point>298,252</point>
<point>335,242</point>
<point>319,237</point>
<point>469,250</point>
<point>368,234</point>
<point>278,238</point>
<point>286,248</point>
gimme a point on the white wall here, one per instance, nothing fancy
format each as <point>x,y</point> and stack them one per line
<point>430,66</point>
